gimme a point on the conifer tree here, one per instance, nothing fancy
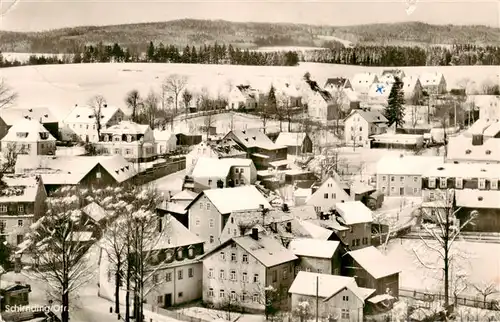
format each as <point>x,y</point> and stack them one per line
<point>394,112</point>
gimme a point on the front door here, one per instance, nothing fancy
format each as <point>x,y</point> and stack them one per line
<point>168,300</point>
<point>401,191</point>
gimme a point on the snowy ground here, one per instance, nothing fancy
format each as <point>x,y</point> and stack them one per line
<point>70,151</point>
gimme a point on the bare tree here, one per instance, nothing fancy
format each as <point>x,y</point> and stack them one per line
<point>414,109</point>
<point>174,85</point>
<point>10,153</point>
<point>97,103</point>
<point>187,96</point>
<point>303,311</point>
<point>151,108</point>
<point>486,289</point>
<point>134,101</point>
<point>208,123</point>
<point>7,96</point>
<point>441,240</point>
<point>337,101</point>
<point>489,88</point>
<point>284,111</point>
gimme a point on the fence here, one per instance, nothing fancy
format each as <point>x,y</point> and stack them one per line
<point>466,300</point>
<point>178,315</point>
<point>160,170</point>
<point>198,114</point>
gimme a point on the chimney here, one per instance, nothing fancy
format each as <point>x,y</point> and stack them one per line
<point>255,234</point>
<point>105,105</point>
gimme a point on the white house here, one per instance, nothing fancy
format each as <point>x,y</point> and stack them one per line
<point>361,124</point>
<point>327,196</point>
<point>166,141</point>
<point>243,97</point>
<point>488,106</point>
<point>287,93</point>
<point>29,137</point>
<point>433,83</point>
<point>82,123</point>
<point>392,74</point>
<point>226,148</point>
<point>362,82</point>
<point>379,93</point>
<point>233,172</point>
<point>412,89</point>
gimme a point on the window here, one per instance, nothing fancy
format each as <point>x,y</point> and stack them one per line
<point>442,183</point>
<point>221,294</point>
<point>320,270</point>
<point>191,252</point>
<point>180,274</point>
<point>222,256</point>
<point>155,279</point>
<point>117,151</point>
<point>210,273</point>
<point>236,170</point>
<point>211,223</point>
<point>201,205</point>
<point>244,258</point>
<point>255,278</point>
<point>159,299</point>
<point>255,297</point>
<point>98,175</point>
<point>209,182</point>
<point>345,314</point>
<point>208,206</point>
<point>128,151</point>
<point>233,295</point>
<point>211,239</point>
<point>3,208</point>
<point>228,230</point>
<point>334,195</point>
<point>415,179</point>
<point>232,275</point>
<point>232,220</point>
<point>236,181</point>
<point>401,179</point>
<point>197,221</point>
<point>459,183</point>
<point>431,195</point>
<point>275,276</point>
<point>20,208</point>
<point>392,178</point>
<point>285,274</point>
<point>245,277</point>
<point>365,240</point>
<point>211,292</point>
<point>222,274</point>
<point>432,182</point>
<point>20,239</point>
<point>494,184</point>
<point>384,178</point>
<point>20,223</point>
<point>233,257</point>
<point>87,127</point>
<point>325,196</point>
<point>482,183</point>
<point>415,190</point>
<point>244,297</point>
<point>393,189</point>
<point>190,272</point>
<point>345,298</point>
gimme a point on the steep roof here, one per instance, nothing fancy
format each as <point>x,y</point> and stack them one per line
<point>463,170</point>
<point>409,83</point>
<point>217,168</point>
<point>248,91</point>
<point>354,212</point>
<point>406,164</point>
<point>94,211</point>
<point>336,82</point>
<point>313,230</point>
<point>163,135</point>
<point>85,115</point>
<point>461,148</point>
<point>477,199</point>
<point>242,198</point>
<point>370,116</point>
<point>266,250</point>
<point>374,262</point>
<point>176,235</point>
<point>19,188</point>
<point>427,79</point>
<point>254,138</point>
<point>12,115</point>
<point>380,90</point>
<point>184,195</point>
<point>26,130</point>
<point>126,127</point>
<point>363,81</point>
<point>291,139</point>
<point>310,247</point>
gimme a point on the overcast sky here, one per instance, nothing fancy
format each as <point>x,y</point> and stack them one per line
<point>37,15</point>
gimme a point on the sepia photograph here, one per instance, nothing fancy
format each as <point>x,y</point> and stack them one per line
<point>249,160</point>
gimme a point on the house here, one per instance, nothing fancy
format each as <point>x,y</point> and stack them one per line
<point>243,97</point>
<point>82,123</point>
<point>296,143</point>
<point>327,196</point>
<point>373,270</point>
<point>176,206</point>
<point>135,142</point>
<point>259,147</point>
<point>329,297</point>
<point>210,210</point>
<point>361,124</point>
<point>462,149</point>
<point>226,148</point>
<point>185,139</point>
<point>28,137</point>
<point>288,95</point>
<point>10,116</point>
<point>329,105</point>
<point>402,175</point>
<point>487,205</point>
<point>337,82</point>
<point>85,171</point>
<point>321,256</point>
<point>362,82</point>
<point>488,106</point>
<point>378,93</point>
<point>14,296</point>
<point>433,83</point>
<point>233,172</point>
<point>22,202</point>
<point>243,269</point>
<point>358,219</point>
<point>178,273</point>
<point>393,73</point>
<point>412,89</point>
<point>166,142</point>
<point>392,140</point>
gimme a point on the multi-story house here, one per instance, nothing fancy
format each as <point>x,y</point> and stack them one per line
<point>378,93</point>
<point>135,142</point>
<point>210,210</point>
<point>289,96</point>
<point>211,173</point>
<point>22,202</point>
<point>433,83</point>
<point>29,137</point>
<point>226,148</point>
<point>177,270</point>
<point>337,82</point>
<point>412,89</point>
<point>259,147</point>
<point>372,270</point>
<point>478,149</point>
<point>358,219</point>
<point>488,106</point>
<point>82,123</point>
<point>242,269</point>
<point>296,143</point>
<point>327,196</point>
<point>321,106</point>
<point>166,142</point>
<point>321,256</point>
<point>402,175</point>
<point>362,82</point>
<point>361,124</point>
<point>243,97</point>
<point>329,296</point>
<point>10,116</point>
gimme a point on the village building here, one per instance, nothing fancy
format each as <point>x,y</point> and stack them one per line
<point>22,202</point>
<point>209,173</point>
<point>242,270</point>
<point>225,148</point>
<point>412,89</point>
<point>296,143</point>
<point>263,152</point>
<point>433,83</point>
<point>361,124</point>
<point>329,296</point>
<point>11,116</point>
<point>393,73</point>
<point>337,82</point>
<point>358,218</point>
<point>135,142</point>
<point>393,140</point>
<point>176,205</point>
<point>362,82</point>
<point>321,106</point>
<point>82,125</point>
<point>487,205</point>
<point>243,97</point>
<point>402,175</point>
<point>166,142</point>
<point>478,149</point>
<point>378,93</point>
<point>288,96</point>
<point>319,256</point>
<point>327,196</point>
<point>188,139</point>
<point>28,137</point>
<point>488,106</point>
<point>209,211</point>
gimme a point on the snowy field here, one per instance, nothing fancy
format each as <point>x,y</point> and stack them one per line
<point>287,48</point>
<point>60,87</point>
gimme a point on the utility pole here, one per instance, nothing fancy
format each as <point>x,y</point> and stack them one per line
<point>317,298</point>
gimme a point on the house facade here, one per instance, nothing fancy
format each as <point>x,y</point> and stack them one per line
<point>488,106</point>
<point>296,143</point>
<point>166,142</point>
<point>243,97</point>
<point>135,142</point>
<point>289,96</point>
<point>233,172</point>
<point>362,82</point>
<point>28,137</point>
<point>327,196</point>
<point>358,218</point>
<point>412,89</point>
<point>361,124</point>
<point>433,83</point>
<point>226,148</point>
<point>11,116</point>
<point>22,202</point>
<point>319,256</point>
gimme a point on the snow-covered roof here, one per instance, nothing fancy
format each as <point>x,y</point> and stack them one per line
<point>479,127</point>
<point>463,170</point>
<point>311,247</point>
<point>374,262</point>
<point>387,78</point>
<point>427,79</point>
<point>85,115</point>
<point>290,138</point>
<point>369,116</point>
<point>27,130</point>
<point>175,235</point>
<point>323,285</point>
<point>409,83</point>
<point>399,138</point>
<point>184,195</point>
<point>126,127</point>
<point>163,135</point>
<point>363,81</point>
<point>13,115</point>
<point>94,211</point>
<point>474,198</point>
<point>217,168</point>
<point>303,212</point>
<point>255,138</point>
<point>336,82</point>
<point>19,188</point>
<point>461,148</point>
<point>492,130</point>
<point>313,230</point>
<point>354,212</point>
<point>379,90</point>
<point>242,198</point>
<point>266,250</point>
<point>406,164</point>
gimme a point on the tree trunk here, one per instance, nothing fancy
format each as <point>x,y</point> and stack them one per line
<point>65,304</point>
<point>117,288</point>
<point>447,260</point>
<point>289,124</point>
<point>127,296</point>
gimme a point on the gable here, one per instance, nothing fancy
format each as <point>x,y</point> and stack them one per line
<point>329,187</point>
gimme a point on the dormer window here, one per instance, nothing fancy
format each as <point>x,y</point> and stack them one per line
<point>459,183</point>
<point>488,152</point>
<point>129,138</point>
<point>44,135</point>
<point>468,151</point>
<point>22,134</point>
<point>494,184</point>
<point>432,182</point>
<point>179,253</point>
<point>482,183</point>
<point>191,252</point>
<point>442,183</point>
